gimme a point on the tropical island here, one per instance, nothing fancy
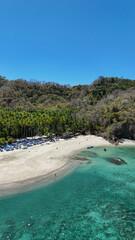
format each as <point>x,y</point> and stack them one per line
<point>65,119</point>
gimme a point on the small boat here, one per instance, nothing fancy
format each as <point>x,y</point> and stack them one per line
<point>90,147</point>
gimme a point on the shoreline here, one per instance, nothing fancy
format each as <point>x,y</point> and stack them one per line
<point>37,182</point>
<point>37,166</point>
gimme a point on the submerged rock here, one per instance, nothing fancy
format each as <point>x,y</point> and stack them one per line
<point>80,158</point>
<point>117,161</point>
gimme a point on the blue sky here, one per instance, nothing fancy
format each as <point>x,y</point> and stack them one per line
<point>67,41</point>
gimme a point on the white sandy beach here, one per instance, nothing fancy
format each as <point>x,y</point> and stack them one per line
<point>20,167</point>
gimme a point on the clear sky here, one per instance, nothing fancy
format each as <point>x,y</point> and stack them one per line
<point>67,41</point>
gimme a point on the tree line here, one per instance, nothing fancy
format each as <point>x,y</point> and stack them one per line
<point>15,123</point>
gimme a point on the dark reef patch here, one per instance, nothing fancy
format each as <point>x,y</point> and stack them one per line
<point>117,161</point>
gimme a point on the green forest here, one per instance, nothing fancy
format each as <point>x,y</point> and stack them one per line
<point>105,108</point>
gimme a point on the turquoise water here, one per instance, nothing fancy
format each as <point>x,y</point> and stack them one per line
<point>95,202</point>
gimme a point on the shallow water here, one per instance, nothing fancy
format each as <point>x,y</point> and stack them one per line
<point>95,202</point>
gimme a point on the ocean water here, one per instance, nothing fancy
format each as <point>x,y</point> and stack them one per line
<point>94,202</point>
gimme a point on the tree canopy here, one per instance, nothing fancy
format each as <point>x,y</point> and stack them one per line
<point>106,107</point>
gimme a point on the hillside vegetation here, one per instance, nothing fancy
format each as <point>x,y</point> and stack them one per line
<point>106,108</point>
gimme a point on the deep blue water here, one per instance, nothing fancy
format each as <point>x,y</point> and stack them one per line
<point>94,202</point>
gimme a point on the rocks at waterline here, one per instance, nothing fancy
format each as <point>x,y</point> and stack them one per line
<point>80,158</point>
